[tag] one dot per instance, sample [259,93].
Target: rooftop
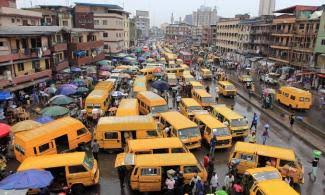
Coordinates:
[295,8]
[106,5]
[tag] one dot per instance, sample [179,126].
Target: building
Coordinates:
[266,7]
[178,32]
[54,15]
[188,19]
[156,32]
[132,33]
[319,51]
[204,16]
[8,3]
[227,34]
[294,36]
[126,22]
[142,22]
[108,18]
[11,16]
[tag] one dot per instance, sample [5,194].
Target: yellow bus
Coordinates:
[151,103]
[149,171]
[210,126]
[113,132]
[75,170]
[139,84]
[97,99]
[185,67]
[272,187]
[181,127]
[55,137]
[188,78]
[204,98]
[206,73]
[105,85]
[196,85]
[177,71]
[155,146]
[172,79]
[294,98]
[256,155]
[148,73]
[237,123]
[189,106]
[128,107]
[226,88]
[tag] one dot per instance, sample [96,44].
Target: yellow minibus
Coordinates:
[61,135]
[75,170]
[148,73]
[209,127]
[181,127]
[189,106]
[188,78]
[151,103]
[113,132]
[251,156]
[177,71]
[105,85]
[97,99]
[272,187]
[204,98]
[206,73]
[172,79]
[237,123]
[294,98]
[196,85]
[139,84]
[226,88]
[148,172]
[128,107]
[185,67]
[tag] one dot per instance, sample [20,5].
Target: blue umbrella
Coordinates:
[75,69]
[44,119]
[5,95]
[160,85]
[29,179]
[66,90]
[141,59]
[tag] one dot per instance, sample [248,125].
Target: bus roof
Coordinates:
[104,85]
[227,112]
[205,70]
[125,123]
[275,187]
[151,98]
[128,107]
[177,120]
[195,83]
[165,159]
[96,94]
[190,102]
[225,83]
[154,143]
[47,128]
[261,170]
[210,121]
[202,93]
[52,161]
[294,90]
[264,150]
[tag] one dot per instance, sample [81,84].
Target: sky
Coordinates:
[161,10]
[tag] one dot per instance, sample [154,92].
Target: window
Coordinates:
[18,20]
[77,169]
[109,135]
[248,157]
[152,133]
[1,44]
[149,171]
[323,42]
[104,22]
[96,22]
[160,151]
[191,169]
[12,20]
[20,149]
[44,147]
[177,150]
[65,23]
[21,67]
[81,131]
[105,34]
[301,26]
[105,46]
[292,97]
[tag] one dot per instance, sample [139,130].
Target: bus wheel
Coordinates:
[78,189]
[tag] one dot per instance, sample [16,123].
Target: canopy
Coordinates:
[25,126]
[51,90]
[78,82]
[104,63]
[44,119]
[61,100]
[75,69]
[160,85]
[4,130]
[29,179]
[91,70]
[82,90]
[54,111]
[5,95]
[66,90]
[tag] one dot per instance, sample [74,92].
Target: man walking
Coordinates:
[121,171]
[292,120]
[265,134]
[95,149]
[254,121]
[229,181]
[214,182]
[313,172]
[213,143]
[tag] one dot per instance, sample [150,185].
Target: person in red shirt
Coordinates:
[206,160]
[238,189]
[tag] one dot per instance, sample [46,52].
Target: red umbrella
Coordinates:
[4,130]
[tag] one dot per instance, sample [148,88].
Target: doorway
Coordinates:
[62,143]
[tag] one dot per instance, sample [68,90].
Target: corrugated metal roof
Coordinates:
[110,6]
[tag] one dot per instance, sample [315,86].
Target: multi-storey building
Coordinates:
[142,23]
[108,18]
[178,32]
[319,52]
[197,35]
[227,35]
[207,35]
[8,3]
[294,36]
[204,16]
[54,15]
[126,22]
[156,32]
[132,33]
[266,7]
[11,16]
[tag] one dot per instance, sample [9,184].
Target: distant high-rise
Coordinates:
[266,7]
[188,19]
[172,19]
[204,16]
[142,23]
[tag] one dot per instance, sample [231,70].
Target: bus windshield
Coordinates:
[89,161]
[230,87]
[192,108]
[238,122]
[207,100]
[158,109]
[188,133]
[221,131]
[266,176]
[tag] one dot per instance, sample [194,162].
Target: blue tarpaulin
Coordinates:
[79,53]
[5,95]
[44,119]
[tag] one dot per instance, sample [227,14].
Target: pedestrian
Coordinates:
[214,182]
[167,132]
[223,191]
[210,170]
[199,189]
[229,180]
[193,181]
[170,183]
[252,137]
[292,120]
[207,89]
[213,143]
[254,122]
[238,189]
[179,185]
[206,160]
[178,99]
[313,172]
[217,97]
[95,149]
[121,171]
[265,134]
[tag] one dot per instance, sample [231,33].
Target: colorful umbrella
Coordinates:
[104,62]
[78,82]
[25,126]
[50,90]
[61,100]
[29,179]
[91,70]
[54,111]
[44,119]
[4,130]
[160,85]
[75,69]
[81,90]
[66,90]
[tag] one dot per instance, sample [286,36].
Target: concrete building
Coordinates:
[126,22]
[266,7]
[8,3]
[204,16]
[156,32]
[178,33]
[142,22]
[188,19]
[54,15]
[320,48]
[132,33]
[227,34]
[108,18]
[10,16]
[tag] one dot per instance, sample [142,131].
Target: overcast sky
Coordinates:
[161,10]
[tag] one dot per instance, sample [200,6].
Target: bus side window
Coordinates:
[292,97]
[191,169]
[43,148]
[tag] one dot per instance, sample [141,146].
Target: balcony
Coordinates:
[59,47]
[20,54]
[87,45]
[61,65]
[87,60]
[280,59]
[4,82]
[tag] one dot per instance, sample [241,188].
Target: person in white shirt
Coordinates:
[214,182]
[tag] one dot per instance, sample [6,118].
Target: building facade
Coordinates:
[227,35]
[204,16]
[142,23]
[8,3]
[132,33]
[10,16]
[178,32]
[320,48]
[266,7]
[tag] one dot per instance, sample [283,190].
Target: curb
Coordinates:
[281,123]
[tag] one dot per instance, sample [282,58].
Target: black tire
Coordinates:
[78,189]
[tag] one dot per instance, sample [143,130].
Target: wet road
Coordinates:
[278,137]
